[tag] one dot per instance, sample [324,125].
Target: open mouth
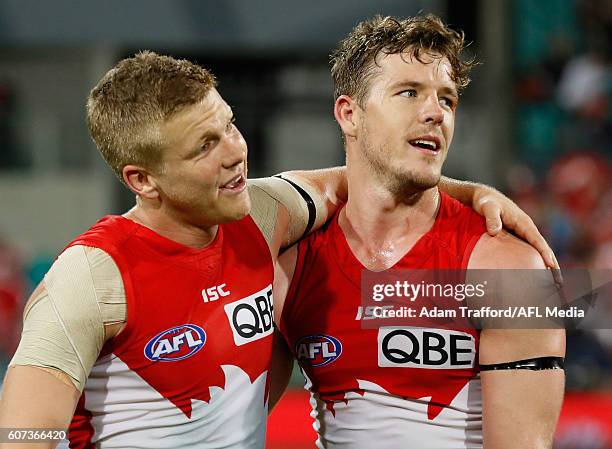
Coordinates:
[426,145]
[235,185]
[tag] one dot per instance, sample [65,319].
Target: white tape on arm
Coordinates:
[64,326]
[286,193]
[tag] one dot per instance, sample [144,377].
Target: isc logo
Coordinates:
[425,348]
[213,293]
[251,318]
[318,350]
[176,343]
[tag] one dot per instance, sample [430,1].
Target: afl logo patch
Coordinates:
[317,350]
[176,343]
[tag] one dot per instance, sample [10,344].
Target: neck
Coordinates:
[171,226]
[380,227]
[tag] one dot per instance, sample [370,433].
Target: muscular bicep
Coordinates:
[522,386]
[521,408]
[506,345]
[521,369]
[516,279]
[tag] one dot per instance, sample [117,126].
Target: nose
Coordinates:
[236,150]
[432,113]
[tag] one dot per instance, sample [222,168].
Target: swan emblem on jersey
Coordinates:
[318,350]
[176,343]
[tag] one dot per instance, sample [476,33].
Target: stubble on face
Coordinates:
[404,183]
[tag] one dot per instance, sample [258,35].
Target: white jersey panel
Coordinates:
[379,420]
[128,413]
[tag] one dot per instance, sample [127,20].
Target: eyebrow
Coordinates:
[445,89]
[207,133]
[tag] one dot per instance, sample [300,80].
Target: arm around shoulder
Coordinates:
[290,205]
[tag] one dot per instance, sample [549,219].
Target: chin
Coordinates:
[412,182]
[231,217]
[238,211]
[427,181]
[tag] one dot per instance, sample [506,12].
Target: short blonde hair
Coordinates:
[129,104]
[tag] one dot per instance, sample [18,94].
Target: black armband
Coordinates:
[310,204]
[536,364]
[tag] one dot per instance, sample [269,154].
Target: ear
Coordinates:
[140,181]
[346,111]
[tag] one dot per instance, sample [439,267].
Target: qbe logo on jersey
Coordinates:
[317,350]
[176,343]
[251,318]
[403,347]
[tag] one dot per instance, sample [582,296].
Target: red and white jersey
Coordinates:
[363,396]
[190,368]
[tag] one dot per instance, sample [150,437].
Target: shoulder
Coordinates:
[528,284]
[75,266]
[504,251]
[81,261]
[85,278]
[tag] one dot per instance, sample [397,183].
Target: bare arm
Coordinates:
[33,397]
[282,358]
[280,369]
[36,397]
[330,183]
[520,407]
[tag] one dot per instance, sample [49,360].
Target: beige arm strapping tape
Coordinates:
[63,326]
[264,210]
[267,192]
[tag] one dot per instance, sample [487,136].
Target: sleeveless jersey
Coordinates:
[190,368]
[362,398]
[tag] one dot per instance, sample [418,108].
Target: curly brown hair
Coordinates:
[129,104]
[352,63]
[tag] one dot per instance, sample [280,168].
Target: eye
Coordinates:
[230,125]
[206,146]
[447,102]
[408,93]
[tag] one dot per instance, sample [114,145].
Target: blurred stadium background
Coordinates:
[536,123]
